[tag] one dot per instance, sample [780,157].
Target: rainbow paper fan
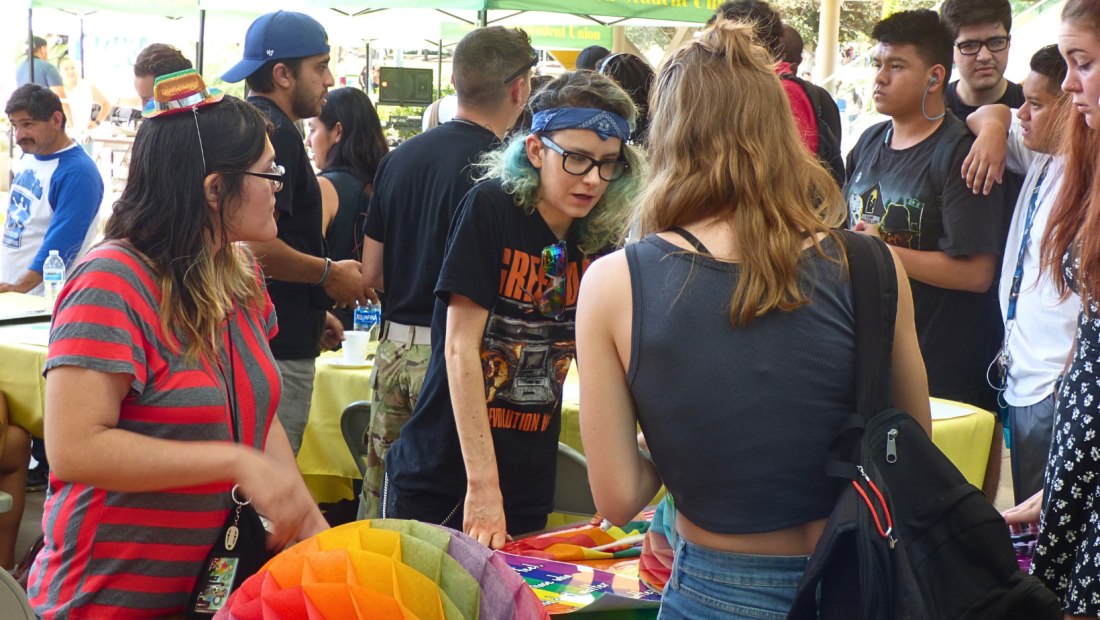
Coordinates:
[387,570]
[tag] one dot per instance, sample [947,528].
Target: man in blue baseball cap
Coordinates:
[285,64]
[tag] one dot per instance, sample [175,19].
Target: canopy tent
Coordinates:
[554,24]
[408,20]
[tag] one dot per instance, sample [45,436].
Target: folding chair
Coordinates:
[572,492]
[354,423]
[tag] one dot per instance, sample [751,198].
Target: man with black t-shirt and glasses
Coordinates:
[417,191]
[285,63]
[905,186]
[980,30]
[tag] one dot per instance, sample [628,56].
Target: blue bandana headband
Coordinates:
[605,124]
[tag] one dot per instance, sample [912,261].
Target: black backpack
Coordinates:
[910,539]
[828,126]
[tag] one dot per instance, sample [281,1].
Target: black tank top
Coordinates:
[738,419]
[345,232]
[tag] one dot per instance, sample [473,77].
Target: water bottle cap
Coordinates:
[54,253]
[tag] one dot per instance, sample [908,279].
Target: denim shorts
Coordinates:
[719,585]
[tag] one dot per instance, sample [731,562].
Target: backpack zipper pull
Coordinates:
[888,532]
[891,446]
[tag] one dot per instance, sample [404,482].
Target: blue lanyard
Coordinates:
[1018,276]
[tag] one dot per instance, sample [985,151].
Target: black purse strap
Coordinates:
[230,382]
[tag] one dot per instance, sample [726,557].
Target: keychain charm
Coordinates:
[231,533]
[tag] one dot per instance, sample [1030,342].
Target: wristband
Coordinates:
[328,269]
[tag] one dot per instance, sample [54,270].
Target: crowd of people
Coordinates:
[680,235]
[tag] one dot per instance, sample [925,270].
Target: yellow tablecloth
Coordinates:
[965,439]
[324,459]
[21,363]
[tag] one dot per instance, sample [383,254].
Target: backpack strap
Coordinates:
[875,132]
[827,119]
[944,153]
[875,302]
[825,108]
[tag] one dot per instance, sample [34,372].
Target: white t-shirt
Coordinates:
[80,100]
[53,205]
[1042,336]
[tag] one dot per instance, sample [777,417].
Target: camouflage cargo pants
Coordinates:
[396,380]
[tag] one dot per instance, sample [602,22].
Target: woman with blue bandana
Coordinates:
[480,450]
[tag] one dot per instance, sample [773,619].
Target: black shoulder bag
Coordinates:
[241,548]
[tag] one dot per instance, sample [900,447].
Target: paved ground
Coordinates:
[31,528]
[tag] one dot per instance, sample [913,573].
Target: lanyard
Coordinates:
[1018,275]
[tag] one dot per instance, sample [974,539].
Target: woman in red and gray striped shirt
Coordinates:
[157,334]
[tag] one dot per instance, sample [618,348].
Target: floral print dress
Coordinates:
[1067,555]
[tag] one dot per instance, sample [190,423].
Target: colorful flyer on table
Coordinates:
[570,588]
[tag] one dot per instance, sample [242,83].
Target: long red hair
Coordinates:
[1074,224]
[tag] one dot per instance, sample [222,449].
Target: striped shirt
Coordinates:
[137,555]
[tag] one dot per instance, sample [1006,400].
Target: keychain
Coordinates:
[232,532]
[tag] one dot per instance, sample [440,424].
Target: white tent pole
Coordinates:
[828,42]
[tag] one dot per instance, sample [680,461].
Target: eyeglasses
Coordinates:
[534,61]
[578,164]
[993,44]
[552,302]
[275,175]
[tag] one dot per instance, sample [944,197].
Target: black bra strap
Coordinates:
[692,239]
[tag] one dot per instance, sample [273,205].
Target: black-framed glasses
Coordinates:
[579,164]
[993,44]
[534,61]
[275,175]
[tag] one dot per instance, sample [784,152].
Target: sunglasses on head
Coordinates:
[552,301]
[534,61]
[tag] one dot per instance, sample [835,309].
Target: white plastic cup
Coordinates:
[355,347]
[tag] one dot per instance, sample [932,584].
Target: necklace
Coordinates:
[471,123]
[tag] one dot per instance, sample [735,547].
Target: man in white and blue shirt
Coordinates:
[1039,324]
[55,195]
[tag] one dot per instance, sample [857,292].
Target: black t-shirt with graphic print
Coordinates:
[494,255]
[959,331]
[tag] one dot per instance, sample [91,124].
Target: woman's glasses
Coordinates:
[275,175]
[993,44]
[578,164]
[552,302]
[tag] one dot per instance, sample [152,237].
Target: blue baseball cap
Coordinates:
[282,34]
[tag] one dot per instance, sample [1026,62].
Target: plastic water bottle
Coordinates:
[53,278]
[367,319]
[376,320]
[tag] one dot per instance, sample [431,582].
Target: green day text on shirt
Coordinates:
[525,355]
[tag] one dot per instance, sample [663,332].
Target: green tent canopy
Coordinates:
[691,11]
[172,8]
